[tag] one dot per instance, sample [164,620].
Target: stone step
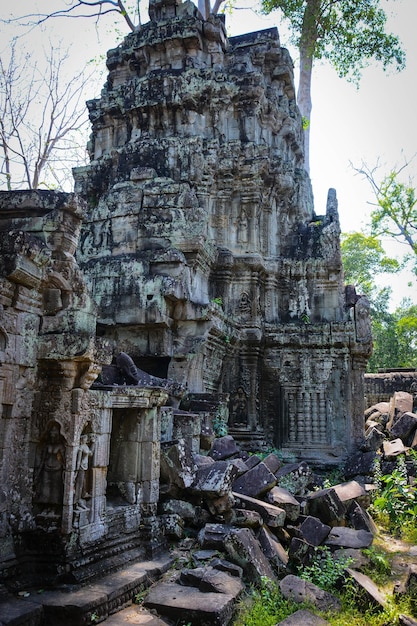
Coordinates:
[188,604]
[86,605]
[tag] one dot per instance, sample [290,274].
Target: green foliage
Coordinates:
[347,33]
[265,606]
[395,502]
[218,301]
[220,426]
[379,568]
[363,259]
[325,571]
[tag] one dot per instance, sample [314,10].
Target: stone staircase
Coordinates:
[108,599]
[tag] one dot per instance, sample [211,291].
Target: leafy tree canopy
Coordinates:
[348,33]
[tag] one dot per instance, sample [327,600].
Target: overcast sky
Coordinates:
[376,122]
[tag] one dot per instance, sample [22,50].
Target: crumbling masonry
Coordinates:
[191,244]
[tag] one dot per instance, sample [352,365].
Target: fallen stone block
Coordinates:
[221,507]
[300,552]
[252,460]
[303,618]
[172,525]
[326,505]
[299,590]
[190,605]
[360,519]
[374,438]
[213,536]
[379,407]
[208,579]
[214,481]
[360,464]
[393,448]
[295,477]
[404,620]
[366,585]
[349,538]
[404,426]
[226,566]
[177,467]
[273,462]
[202,460]
[399,403]
[351,490]
[224,448]
[244,549]
[283,499]
[272,548]
[272,515]
[244,518]
[358,560]
[134,615]
[184,509]
[313,531]
[255,481]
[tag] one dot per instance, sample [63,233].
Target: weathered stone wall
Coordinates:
[201,245]
[380,387]
[56,434]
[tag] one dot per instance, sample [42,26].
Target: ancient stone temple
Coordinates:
[188,275]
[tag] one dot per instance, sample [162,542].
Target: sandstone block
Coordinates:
[213,536]
[326,505]
[363,582]
[360,519]
[313,531]
[226,566]
[272,462]
[284,500]
[245,518]
[303,618]
[214,480]
[244,549]
[349,538]
[255,481]
[190,605]
[224,448]
[299,590]
[272,515]
[208,579]
[295,477]
[360,464]
[272,548]
[352,490]
[404,426]
[393,448]
[300,552]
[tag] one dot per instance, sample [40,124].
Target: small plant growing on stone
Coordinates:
[218,301]
[264,606]
[395,503]
[139,597]
[220,423]
[325,571]
[379,568]
[94,617]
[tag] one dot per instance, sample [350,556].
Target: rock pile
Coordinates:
[236,518]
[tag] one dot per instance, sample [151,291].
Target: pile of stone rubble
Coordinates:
[234,518]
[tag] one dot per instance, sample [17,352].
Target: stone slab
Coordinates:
[134,616]
[303,618]
[190,605]
[18,611]
[349,538]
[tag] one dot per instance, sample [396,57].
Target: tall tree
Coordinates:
[347,33]
[395,214]
[43,119]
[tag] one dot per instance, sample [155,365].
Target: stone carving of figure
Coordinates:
[239,408]
[363,320]
[242,229]
[81,467]
[49,484]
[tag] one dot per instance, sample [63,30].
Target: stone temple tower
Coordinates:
[201,246]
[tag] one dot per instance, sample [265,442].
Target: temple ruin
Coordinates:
[190,244]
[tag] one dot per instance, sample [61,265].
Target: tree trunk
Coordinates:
[308,39]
